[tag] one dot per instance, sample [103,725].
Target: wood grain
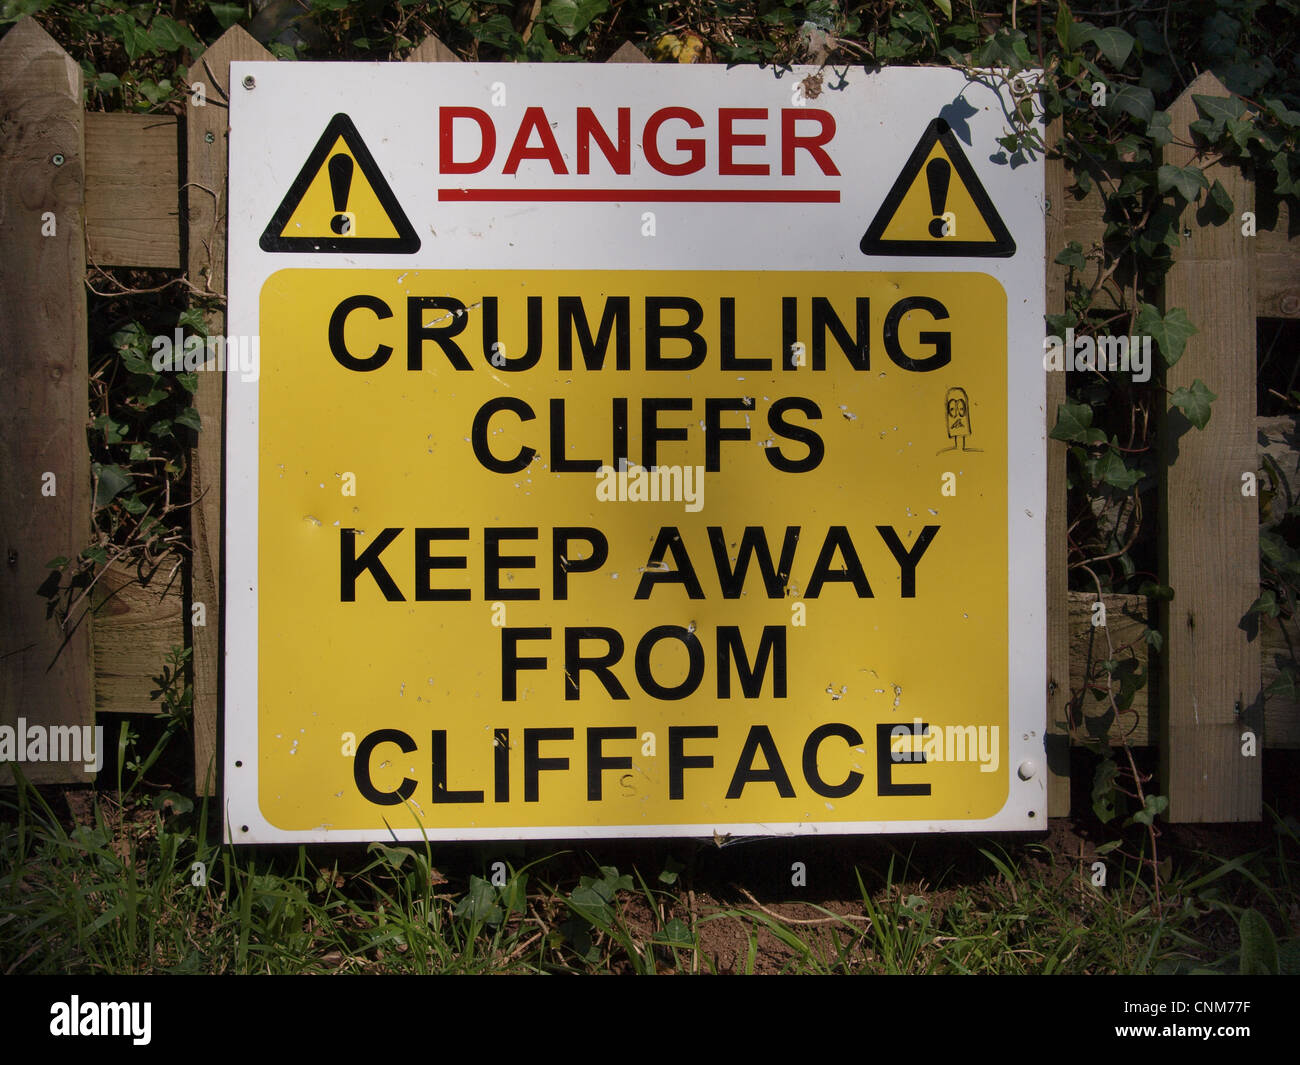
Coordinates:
[44,668]
[1211,653]
[132,190]
[135,626]
[206,131]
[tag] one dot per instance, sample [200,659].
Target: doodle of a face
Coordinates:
[957,407]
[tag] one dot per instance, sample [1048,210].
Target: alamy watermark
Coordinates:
[1126,354]
[53,743]
[654,484]
[189,354]
[922,742]
[78,1018]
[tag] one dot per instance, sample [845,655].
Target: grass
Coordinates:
[138,885]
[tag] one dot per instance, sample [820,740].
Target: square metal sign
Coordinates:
[632,451]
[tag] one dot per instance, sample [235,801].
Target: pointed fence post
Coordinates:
[1211,695]
[45,505]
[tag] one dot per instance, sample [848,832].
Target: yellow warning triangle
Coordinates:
[937,206]
[340,202]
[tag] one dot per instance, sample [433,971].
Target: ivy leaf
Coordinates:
[1156,591]
[1218,109]
[1152,806]
[1114,43]
[1186,179]
[1103,790]
[1194,402]
[1170,331]
[1287,183]
[1266,604]
[1136,100]
[1284,686]
[1064,20]
[571,17]
[168,35]
[1155,640]
[1113,470]
[1220,198]
[1081,33]
[1158,129]
[192,318]
[1072,421]
[1072,256]
[110,481]
[189,417]
[226,14]
[1282,113]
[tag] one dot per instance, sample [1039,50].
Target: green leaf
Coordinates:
[1064,19]
[1114,43]
[674,933]
[135,39]
[946,7]
[1258,946]
[1103,789]
[110,481]
[1187,180]
[1284,685]
[168,35]
[1156,591]
[1112,469]
[192,318]
[479,906]
[1072,256]
[1072,421]
[1266,604]
[1155,640]
[1194,402]
[1136,100]
[226,14]
[1282,113]
[1152,807]
[56,563]
[1158,129]
[1220,198]
[189,417]
[571,17]
[1170,331]
[1081,33]
[1218,109]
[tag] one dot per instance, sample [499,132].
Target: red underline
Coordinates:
[643,195]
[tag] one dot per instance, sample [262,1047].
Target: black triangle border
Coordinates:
[406,240]
[1001,247]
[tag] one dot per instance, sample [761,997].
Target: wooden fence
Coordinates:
[112,183]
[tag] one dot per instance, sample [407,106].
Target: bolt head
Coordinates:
[249,81]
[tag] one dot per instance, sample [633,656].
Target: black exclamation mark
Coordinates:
[937,174]
[340,167]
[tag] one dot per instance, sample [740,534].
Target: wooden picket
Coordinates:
[125,171]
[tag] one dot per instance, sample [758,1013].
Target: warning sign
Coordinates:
[632,501]
[938,206]
[340,202]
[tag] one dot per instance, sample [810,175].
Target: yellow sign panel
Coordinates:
[631,549]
